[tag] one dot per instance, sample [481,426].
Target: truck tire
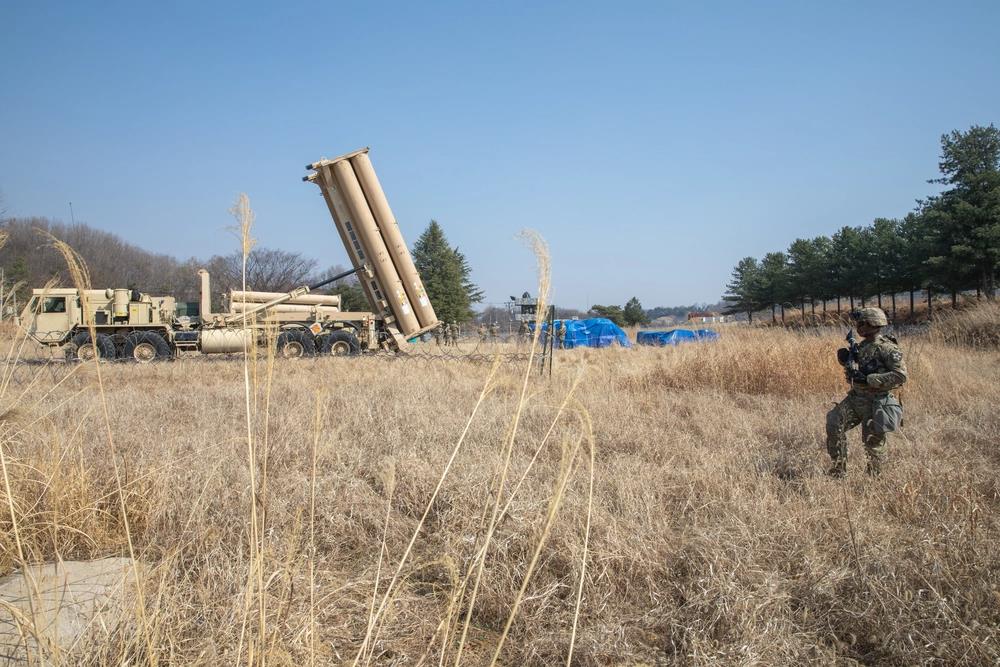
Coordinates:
[81,349]
[294,344]
[341,343]
[144,347]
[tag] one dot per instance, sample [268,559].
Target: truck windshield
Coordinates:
[54,304]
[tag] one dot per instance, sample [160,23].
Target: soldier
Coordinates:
[873,368]
[454,333]
[561,334]
[437,334]
[482,333]
[522,332]
[494,332]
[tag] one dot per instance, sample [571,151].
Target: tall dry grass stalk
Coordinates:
[255,589]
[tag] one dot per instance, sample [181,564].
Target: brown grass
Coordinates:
[714,537]
[974,327]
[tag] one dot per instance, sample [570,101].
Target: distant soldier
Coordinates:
[522,332]
[561,335]
[482,333]
[438,330]
[454,333]
[873,368]
[494,332]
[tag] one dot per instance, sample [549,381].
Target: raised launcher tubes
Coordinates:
[373,242]
[389,228]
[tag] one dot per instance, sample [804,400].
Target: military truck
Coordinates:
[129,324]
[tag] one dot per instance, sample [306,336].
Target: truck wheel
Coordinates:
[341,343]
[81,349]
[294,344]
[145,346]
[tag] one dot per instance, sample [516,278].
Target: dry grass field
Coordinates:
[655,506]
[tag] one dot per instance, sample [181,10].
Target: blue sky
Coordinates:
[652,144]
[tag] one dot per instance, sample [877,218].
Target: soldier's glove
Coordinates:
[855,376]
[843,356]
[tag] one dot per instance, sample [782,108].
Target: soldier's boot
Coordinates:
[878,455]
[838,470]
[875,466]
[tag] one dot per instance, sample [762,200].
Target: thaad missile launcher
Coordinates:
[133,325]
[373,241]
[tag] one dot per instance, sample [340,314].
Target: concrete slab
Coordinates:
[57,603]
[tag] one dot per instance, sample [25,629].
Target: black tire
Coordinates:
[294,344]
[341,343]
[81,349]
[144,347]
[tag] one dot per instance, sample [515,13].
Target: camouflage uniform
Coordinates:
[438,330]
[494,332]
[560,335]
[482,333]
[869,402]
[454,333]
[522,332]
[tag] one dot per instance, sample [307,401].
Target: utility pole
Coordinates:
[72,217]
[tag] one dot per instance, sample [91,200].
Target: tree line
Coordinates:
[29,261]
[949,244]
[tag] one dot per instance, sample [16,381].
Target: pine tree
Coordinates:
[774,282]
[966,218]
[634,313]
[613,313]
[446,275]
[744,289]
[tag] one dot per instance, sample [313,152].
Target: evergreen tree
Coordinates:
[806,264]
[744,288]
[446,275]
[914,271]
[774,281]
[822,275]
[887,254]
[966,217]
[613,313]
[848,258]
[634,313]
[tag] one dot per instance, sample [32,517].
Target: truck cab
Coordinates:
[51,315]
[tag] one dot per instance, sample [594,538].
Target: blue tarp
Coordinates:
[675,336]
[593,332]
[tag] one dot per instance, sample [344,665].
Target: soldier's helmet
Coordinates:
[874,317]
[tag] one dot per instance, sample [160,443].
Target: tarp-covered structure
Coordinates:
[675,336]
[593,332]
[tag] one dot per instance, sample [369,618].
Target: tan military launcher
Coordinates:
[129,324]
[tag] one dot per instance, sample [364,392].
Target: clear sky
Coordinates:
[652,144]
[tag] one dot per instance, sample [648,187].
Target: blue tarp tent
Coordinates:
[675,336]
[593,332]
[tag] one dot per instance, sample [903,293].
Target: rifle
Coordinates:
[848,358]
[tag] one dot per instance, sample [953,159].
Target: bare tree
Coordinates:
[268,270]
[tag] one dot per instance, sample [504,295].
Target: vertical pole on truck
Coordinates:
[548,343]
[552,337]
